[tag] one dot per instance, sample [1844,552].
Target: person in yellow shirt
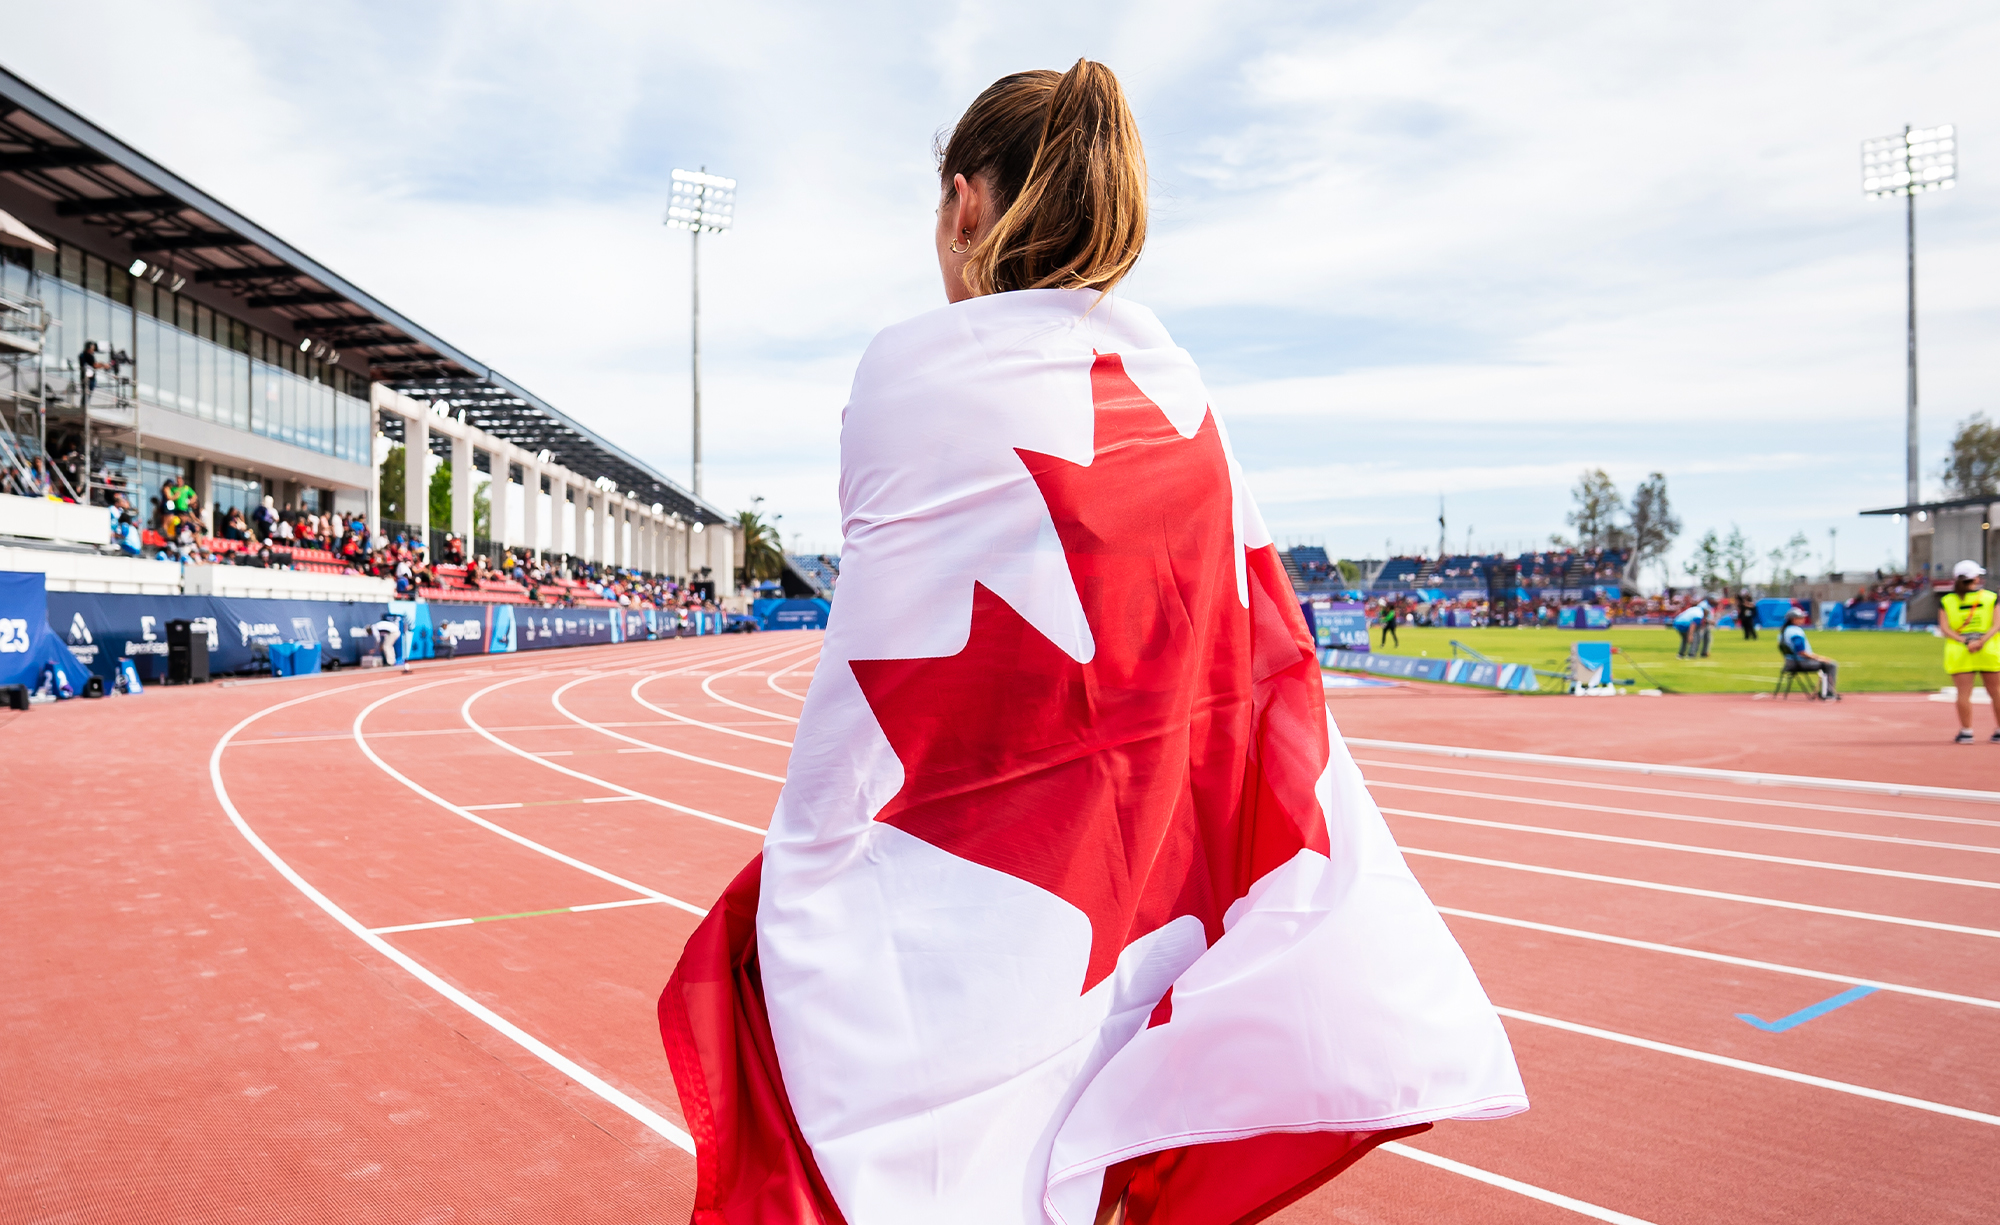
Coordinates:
[1965,618]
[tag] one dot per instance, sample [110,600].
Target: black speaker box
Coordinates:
[187,654]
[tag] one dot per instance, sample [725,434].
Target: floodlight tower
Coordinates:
[1913,161]
[701,203]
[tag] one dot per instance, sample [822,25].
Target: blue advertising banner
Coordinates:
[1483,673]
[1771,614]
[27,648]
[791,614]
[100,629]
[1341,624]
[1876,615]
[1584,617]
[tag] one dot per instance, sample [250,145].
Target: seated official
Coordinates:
[1799,657]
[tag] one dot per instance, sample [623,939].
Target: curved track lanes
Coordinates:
[445,1011]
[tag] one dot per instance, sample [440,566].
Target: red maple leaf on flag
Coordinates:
[1177,766]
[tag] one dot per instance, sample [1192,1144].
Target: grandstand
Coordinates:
[1563,574]
[231,362]
[819,571]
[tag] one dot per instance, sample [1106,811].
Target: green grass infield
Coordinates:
[1871,661]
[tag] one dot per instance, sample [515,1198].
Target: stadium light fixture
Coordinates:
[1908,164]
[702,203]
[179,281]
[138,268]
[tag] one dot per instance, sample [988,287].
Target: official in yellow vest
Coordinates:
[1965,618]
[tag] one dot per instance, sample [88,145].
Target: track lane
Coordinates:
[1912,902]
[643,1113]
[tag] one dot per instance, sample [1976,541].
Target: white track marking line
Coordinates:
[1732,776]
[465,713]
[755,710]
[1760,1069]
[1650,844]
[644,1114]
[1723,958]
[361,739]
[423,927]
[1809,830]
[1515,1185]
[644,746]
[771,681]
[1762,801]
[724,728]
[1689,891]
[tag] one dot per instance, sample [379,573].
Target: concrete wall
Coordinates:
[253,583]
[95,572]
[42,519]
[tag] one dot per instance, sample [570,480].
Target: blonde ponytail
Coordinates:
[1063,158]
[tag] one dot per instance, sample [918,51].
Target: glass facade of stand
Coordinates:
[189,358]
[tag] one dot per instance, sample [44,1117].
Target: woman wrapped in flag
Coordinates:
[1074,907]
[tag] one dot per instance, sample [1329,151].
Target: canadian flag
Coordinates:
[1071,898]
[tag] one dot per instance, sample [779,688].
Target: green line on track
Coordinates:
[525,914]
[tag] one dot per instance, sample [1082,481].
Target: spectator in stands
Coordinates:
[1971,649]
[87,366]
[1799,657]
[266,518]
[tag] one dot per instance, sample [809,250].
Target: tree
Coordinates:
[763,549]
[1785,562]
[1704,565]
[392,486]
[1654,525]
[1737,557]
[1597,511]
[1973,469]
[482,505]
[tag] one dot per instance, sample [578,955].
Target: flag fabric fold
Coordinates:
[1072,895]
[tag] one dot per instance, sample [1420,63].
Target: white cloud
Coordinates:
[1516,240]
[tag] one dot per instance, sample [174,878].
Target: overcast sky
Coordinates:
[1461,249]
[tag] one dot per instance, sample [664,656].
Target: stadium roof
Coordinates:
[1948,504]
[94,179]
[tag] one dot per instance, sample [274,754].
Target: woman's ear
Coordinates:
[969,205]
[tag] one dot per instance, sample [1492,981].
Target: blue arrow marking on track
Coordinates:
[1803,1015]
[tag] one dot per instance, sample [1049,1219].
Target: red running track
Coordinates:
[247,982]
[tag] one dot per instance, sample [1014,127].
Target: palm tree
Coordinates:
[763,550]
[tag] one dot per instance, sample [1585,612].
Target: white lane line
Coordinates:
[1689,891]
[1652,845]
[528,914]
[431,731]
[771,681]
[1760,1069]
[1723,958]
[1776,827]
[465,713]
[424,927]
[488,807]
[1556,1198]
[644,746]
[707,688]
[1713,796]
[644,1114]
[724,728]
[361,739]
[1732,776]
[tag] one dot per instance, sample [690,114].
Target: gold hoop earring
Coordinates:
[958,249]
